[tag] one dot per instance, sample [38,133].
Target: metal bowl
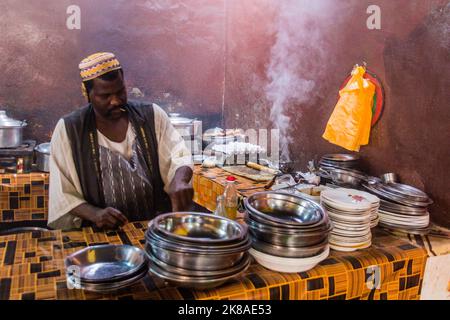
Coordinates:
[107,286]
[288,240]
[105,262]
[389,177]
[318,226]
[197,227]
[344,157]
[194,261]
[154,238]
[290,252]
[284,209]
[197,273]
[200,283]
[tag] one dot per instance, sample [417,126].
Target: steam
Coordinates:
[296,61]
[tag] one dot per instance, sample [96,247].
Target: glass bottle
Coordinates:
[230,198]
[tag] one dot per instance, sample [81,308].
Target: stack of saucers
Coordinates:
[105,268]
[289,232]
[403,208]
[197,250]
[351,213]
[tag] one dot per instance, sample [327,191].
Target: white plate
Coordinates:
[349,249]
[288,265]
[346,199]
[372,198]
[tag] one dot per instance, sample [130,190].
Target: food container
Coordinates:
[43,157]
[11,131]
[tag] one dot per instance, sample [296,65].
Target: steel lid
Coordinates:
[175,118]
[7,122]
[43,148]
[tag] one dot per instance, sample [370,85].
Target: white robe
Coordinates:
[65,191]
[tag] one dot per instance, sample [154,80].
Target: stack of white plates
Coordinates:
[375,205]
[352,213]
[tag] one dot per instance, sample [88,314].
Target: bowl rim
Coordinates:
[241,228]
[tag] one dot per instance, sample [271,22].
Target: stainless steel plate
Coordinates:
[106,262]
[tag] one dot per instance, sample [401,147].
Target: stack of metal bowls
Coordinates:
[340,161]
[197,250]
[403,208]
[287,231]
[105,268]
[342,170]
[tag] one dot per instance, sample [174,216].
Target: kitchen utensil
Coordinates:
[11,131]
[43,157]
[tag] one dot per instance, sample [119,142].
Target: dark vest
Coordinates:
[82,132]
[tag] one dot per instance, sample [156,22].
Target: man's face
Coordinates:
[108,97]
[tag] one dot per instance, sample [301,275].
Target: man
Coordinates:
[114,160]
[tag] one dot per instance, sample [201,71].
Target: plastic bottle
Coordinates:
[230,198]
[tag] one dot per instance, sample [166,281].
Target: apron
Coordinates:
[126,185]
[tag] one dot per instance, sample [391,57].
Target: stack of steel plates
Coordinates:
[105,268]
[197,250]
[403,208]
[339,161]
[290,232]
[341,170]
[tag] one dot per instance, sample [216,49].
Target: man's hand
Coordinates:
[109,218]
[180,190]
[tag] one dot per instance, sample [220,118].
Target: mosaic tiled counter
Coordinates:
[32,267]
[24,197]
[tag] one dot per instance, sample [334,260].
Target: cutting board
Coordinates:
[249,173]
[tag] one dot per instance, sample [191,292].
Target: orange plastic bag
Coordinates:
[349,124]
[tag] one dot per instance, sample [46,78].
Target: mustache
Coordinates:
[111,110]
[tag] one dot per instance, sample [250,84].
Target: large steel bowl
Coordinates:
[284,209]
[154,238]
[290,252]
[197,227]
[194,261]
[299,239]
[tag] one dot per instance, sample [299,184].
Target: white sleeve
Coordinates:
[172,150]
[64,186]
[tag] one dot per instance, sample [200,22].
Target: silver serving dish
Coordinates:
[106,262]
[198,227]
[194,261]
[23,230]
[200,283]
[383,194]
[284,209]
[289,252]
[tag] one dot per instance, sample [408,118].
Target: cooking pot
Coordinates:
[11,131]
[184,126]
[43,156]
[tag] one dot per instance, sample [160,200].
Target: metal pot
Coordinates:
[11,131]
[43,156]
[184,126]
